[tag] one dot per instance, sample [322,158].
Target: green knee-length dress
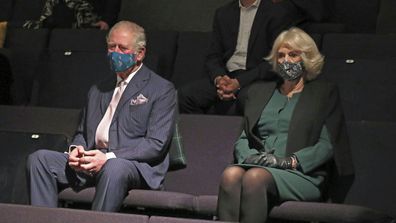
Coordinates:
[272,129]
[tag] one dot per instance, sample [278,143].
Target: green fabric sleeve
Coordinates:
[241,148]
[312,157]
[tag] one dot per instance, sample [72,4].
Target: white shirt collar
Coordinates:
[130,76]
[255,4]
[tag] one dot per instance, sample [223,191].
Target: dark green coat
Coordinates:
[318,106]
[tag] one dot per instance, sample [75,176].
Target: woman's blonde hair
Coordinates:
[296,39]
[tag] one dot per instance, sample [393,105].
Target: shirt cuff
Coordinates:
[110,155]
[71,147]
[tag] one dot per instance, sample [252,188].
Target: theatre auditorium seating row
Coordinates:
[191,192]
[55,68]
[11,213]
[44,61]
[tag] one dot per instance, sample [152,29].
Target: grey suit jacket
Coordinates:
[138,132]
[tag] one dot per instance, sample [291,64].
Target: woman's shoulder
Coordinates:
[321,84]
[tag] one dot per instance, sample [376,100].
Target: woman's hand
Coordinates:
[270,160]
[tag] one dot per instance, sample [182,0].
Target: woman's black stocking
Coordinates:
[257,185]
[229,194]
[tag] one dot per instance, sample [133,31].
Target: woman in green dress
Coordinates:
[294,128]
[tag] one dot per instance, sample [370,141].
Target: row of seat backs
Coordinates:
[194,188]
[64,63]
[70,61]
[207,142]
[24,129]
[168,43]
[12,213]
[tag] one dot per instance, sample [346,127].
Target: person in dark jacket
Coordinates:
[294,128]
[243,34]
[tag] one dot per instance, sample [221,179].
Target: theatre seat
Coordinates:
[358,46]
[11,213]
[193,191]
[366,87]
[26,47]
[161,51]
[208,143]
[386,17]
[159,219]
[24,130]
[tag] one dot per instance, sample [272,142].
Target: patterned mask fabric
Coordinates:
[290,71]
[121,61]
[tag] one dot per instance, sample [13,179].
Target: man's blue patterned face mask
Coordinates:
[290,71]
[121,61]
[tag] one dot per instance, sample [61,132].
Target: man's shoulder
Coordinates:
[156,78]
[228,7]
[156,81]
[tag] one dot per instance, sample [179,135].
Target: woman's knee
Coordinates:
[257,178]
[232,175]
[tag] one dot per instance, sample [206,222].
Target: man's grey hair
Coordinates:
[137,31]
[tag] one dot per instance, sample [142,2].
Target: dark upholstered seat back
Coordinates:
[186,15]
[74,61]
[357,45]
[366,87]
[13,163]
[208,143]
[26,47]
[190,57]
[24,130]
[373,152]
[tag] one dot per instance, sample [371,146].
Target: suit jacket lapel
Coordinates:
[134,86]
[299,118]
[233,21]
[258,98]
[259,19]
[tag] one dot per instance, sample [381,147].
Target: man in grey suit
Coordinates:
[121,143]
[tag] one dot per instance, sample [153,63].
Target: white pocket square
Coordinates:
[140,99]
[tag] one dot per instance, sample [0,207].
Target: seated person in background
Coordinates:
[243,33]
[121,142]
[294,127]
[100,14]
